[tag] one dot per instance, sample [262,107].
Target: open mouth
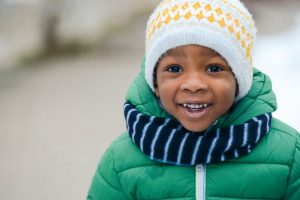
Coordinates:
[195,107]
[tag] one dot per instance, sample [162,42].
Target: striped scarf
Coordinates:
[167,141]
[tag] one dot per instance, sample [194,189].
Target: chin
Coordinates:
[195,129]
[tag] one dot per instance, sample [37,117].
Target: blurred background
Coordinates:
[65,67]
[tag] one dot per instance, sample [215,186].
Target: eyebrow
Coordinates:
[214,53]
[172,52]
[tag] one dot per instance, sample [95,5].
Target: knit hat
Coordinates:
[225,26]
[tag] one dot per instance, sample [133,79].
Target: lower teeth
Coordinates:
[195,109]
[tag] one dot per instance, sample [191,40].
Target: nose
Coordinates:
[194,82]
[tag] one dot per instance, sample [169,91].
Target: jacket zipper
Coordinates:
[200,182]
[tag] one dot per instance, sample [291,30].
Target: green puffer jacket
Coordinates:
[271,171]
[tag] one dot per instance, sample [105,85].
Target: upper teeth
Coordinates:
[194,106]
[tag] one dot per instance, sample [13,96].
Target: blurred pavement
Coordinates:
[56,121]
[59,115]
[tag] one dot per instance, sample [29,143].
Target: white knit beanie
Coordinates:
[225,26]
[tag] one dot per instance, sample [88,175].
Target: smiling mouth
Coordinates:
[195,107]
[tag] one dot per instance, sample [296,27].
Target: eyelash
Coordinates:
[219,68]
[178,68]
[171,68]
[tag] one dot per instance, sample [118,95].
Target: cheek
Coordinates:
[163,86]
[163,92]
[224,88]
[166,94]
[228,90]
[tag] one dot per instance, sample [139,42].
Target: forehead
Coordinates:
[191,49]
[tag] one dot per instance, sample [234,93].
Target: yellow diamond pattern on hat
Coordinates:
[185,6]
[211,18]
[228,15]
[196,5]
[177,16]
[159,24]
[248,36]
[230,28]
[243,44]
[208,7]
[238,36]
[175,8]
[166,12]
[157,18]
[200,15]
[222,23]
[248,50]
[236,22]
[188,15]
[219,11]
[214,15]
[243,29]
[168,19]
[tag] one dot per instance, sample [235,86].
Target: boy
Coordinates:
[199,115]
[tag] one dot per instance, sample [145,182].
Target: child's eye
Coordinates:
[214,68]
[174,68]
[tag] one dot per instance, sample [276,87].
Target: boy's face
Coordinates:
[195,85]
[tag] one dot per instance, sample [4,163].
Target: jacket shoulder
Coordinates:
[280,143]
[285,131]
[126,154]
[285,137]
[277,147]
[283,128]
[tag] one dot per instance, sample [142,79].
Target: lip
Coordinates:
[194,114]
[194,102]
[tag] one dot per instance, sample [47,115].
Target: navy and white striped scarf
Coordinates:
[167,141]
